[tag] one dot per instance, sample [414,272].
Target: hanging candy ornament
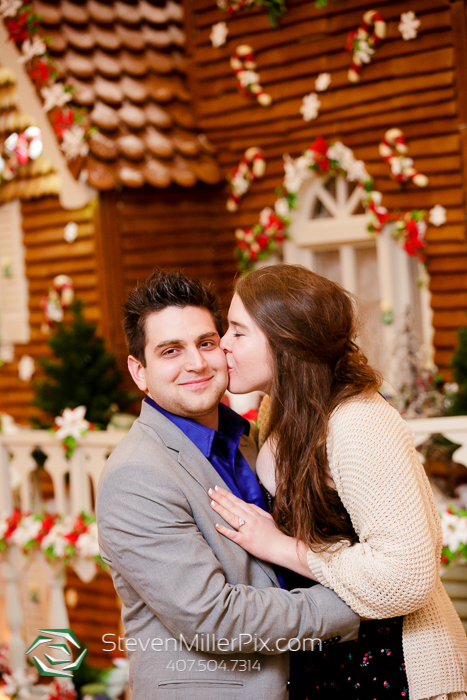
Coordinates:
[63,285]
[57,300]
[393,149]
[363,41]
[18,150]
[251,167]
[244,64]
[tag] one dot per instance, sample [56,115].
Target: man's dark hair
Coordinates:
[159,291]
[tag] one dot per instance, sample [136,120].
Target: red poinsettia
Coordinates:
[62,120]
[251,415]
[12,522]
[19,29]
[413,244]
[48,521]
[320,149]
[41,72]
[79,528]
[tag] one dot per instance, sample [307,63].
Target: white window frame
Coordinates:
[346,232]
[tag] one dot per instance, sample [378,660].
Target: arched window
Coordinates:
[329,235]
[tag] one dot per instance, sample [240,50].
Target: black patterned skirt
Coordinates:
[368,668]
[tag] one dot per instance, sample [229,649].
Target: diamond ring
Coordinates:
[240,523]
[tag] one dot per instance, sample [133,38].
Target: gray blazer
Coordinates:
[203,619]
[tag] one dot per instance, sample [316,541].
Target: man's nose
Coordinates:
[196,361]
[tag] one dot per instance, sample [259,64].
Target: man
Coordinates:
[204,620]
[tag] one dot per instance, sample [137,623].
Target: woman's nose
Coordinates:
[224,344]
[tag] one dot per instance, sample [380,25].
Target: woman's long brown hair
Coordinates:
[310,325]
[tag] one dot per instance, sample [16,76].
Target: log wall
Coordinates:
[410,84]
[143,229]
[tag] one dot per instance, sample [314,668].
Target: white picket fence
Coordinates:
[84,469]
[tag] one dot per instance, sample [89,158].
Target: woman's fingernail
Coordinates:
[216,488]
[210,492]
[213,503]
[217,526]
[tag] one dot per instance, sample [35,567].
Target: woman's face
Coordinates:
[248,355]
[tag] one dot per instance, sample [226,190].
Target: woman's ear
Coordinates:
[138,372]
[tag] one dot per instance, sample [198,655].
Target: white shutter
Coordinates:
[14,311]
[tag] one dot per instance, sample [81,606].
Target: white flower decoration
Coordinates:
[454,530]
[56,537]
[70,232]
[322,82]
[19,683]
[72,422]
[437,215]
[282,207]
[218,34]
[356,172]
[29,49]
[26,368]
[247,77]
[118,678]
[87,544]
[73,143]
[409,25]
[264,216]
[421,226]
[9,8]
[55,96]
[310,106]
[294,176]
[27,530]
[342,154]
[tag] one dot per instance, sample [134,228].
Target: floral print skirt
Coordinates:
[368,668]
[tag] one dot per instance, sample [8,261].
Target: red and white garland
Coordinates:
[18,150]
[363,41]
[244,64]
[393,149]
[71,124]
[323,160]
[59,538]
[252,167]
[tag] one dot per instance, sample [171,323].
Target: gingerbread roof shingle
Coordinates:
[126,59]
[39,177]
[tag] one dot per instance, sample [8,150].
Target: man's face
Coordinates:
[186,371]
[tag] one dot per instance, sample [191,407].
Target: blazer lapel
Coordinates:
[195,463]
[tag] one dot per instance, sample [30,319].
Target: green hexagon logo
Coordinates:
[67,664]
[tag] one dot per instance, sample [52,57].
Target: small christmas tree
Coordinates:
[459,370]
[83,373]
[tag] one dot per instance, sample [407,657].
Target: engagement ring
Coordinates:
[240,523]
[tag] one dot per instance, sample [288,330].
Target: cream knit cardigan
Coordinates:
[394,568]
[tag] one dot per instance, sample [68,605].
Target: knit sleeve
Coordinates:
[393,568]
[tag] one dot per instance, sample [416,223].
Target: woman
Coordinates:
[352,507]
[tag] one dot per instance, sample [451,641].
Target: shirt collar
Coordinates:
[231,425]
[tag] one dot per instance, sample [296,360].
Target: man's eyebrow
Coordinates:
[177,341]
